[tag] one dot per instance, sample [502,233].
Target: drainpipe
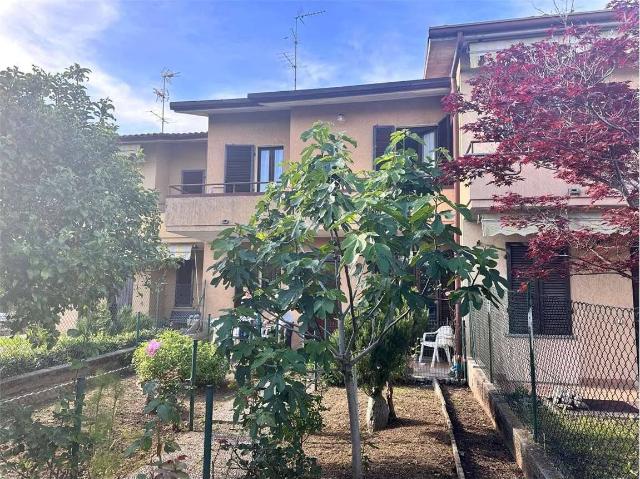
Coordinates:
[456,193]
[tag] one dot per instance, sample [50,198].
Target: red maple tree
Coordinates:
[559,104]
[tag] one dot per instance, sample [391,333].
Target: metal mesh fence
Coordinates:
[578,390]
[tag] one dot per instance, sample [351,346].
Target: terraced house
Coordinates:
[212,180]
[208,181]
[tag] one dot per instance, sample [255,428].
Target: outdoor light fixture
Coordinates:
[340,118]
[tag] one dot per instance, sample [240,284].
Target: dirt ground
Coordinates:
[417,446]
[483,453]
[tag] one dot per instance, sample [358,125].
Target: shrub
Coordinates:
[172,360]
[99,321]
[17,355]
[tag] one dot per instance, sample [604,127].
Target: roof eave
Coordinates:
[270,101]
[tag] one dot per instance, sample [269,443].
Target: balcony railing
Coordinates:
[256,187]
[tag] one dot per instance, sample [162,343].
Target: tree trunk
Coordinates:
[351,386]
[377,411]
[392,410]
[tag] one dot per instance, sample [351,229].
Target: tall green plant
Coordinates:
[75,219]
[342,247]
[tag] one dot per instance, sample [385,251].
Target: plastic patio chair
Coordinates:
[442,338]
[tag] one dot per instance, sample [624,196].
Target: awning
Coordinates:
[492,225]
[180,251]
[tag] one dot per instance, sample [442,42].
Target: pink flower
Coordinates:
[152,347]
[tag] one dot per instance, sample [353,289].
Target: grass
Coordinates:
[585,445]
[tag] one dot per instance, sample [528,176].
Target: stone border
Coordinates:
[454,444]
[529,456]
[43,385]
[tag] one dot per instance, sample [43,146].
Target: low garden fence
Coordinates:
[576,389]
[79,407]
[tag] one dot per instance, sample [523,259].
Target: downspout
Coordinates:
[456,194]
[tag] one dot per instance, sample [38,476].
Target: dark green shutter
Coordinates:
[518,260]
[550,296]
[555,297]
[238,168]
[381,138]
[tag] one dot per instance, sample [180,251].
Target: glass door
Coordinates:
[269,166]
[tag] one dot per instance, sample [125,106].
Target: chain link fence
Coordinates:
[569,370]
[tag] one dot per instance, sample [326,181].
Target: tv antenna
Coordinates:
[293,62]
[163,95]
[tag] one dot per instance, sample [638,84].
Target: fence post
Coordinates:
[192,383]
[209,327]
[464,350]
[532,367]
[79,402]
[208,430]
[138,328]
[490,343]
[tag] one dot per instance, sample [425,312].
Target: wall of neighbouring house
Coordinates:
[191,155]
[585,355]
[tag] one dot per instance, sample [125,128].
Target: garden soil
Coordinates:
[483,453]
[416,446]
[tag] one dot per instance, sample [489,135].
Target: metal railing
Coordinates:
[577,391]
[220,188]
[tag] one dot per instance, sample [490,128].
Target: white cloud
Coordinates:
[54,35]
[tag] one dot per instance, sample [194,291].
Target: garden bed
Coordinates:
[482,450]
[417,446]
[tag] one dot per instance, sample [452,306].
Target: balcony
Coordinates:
[536,182]
[201,211]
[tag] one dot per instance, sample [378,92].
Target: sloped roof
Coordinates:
[148,137]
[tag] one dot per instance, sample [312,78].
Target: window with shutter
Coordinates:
[550,296]
[381,138]
[193,182]
[238,168]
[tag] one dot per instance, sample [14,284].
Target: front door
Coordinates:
[184,292]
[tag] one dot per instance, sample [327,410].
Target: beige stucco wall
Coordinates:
[164,162]
[256,128]
[360,119]
[216,298]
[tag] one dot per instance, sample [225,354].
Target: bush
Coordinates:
[99,321]
[18,355]
[171,362]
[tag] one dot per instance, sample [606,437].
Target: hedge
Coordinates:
[19,356]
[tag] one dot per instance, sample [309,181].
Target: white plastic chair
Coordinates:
[443,338]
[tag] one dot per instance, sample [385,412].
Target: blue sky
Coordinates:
[224,49]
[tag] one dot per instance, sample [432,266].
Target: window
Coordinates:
[269,166]
[193,182]
[550,296]
[433,136]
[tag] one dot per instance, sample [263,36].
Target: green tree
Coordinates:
[75,220]
[342,247]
